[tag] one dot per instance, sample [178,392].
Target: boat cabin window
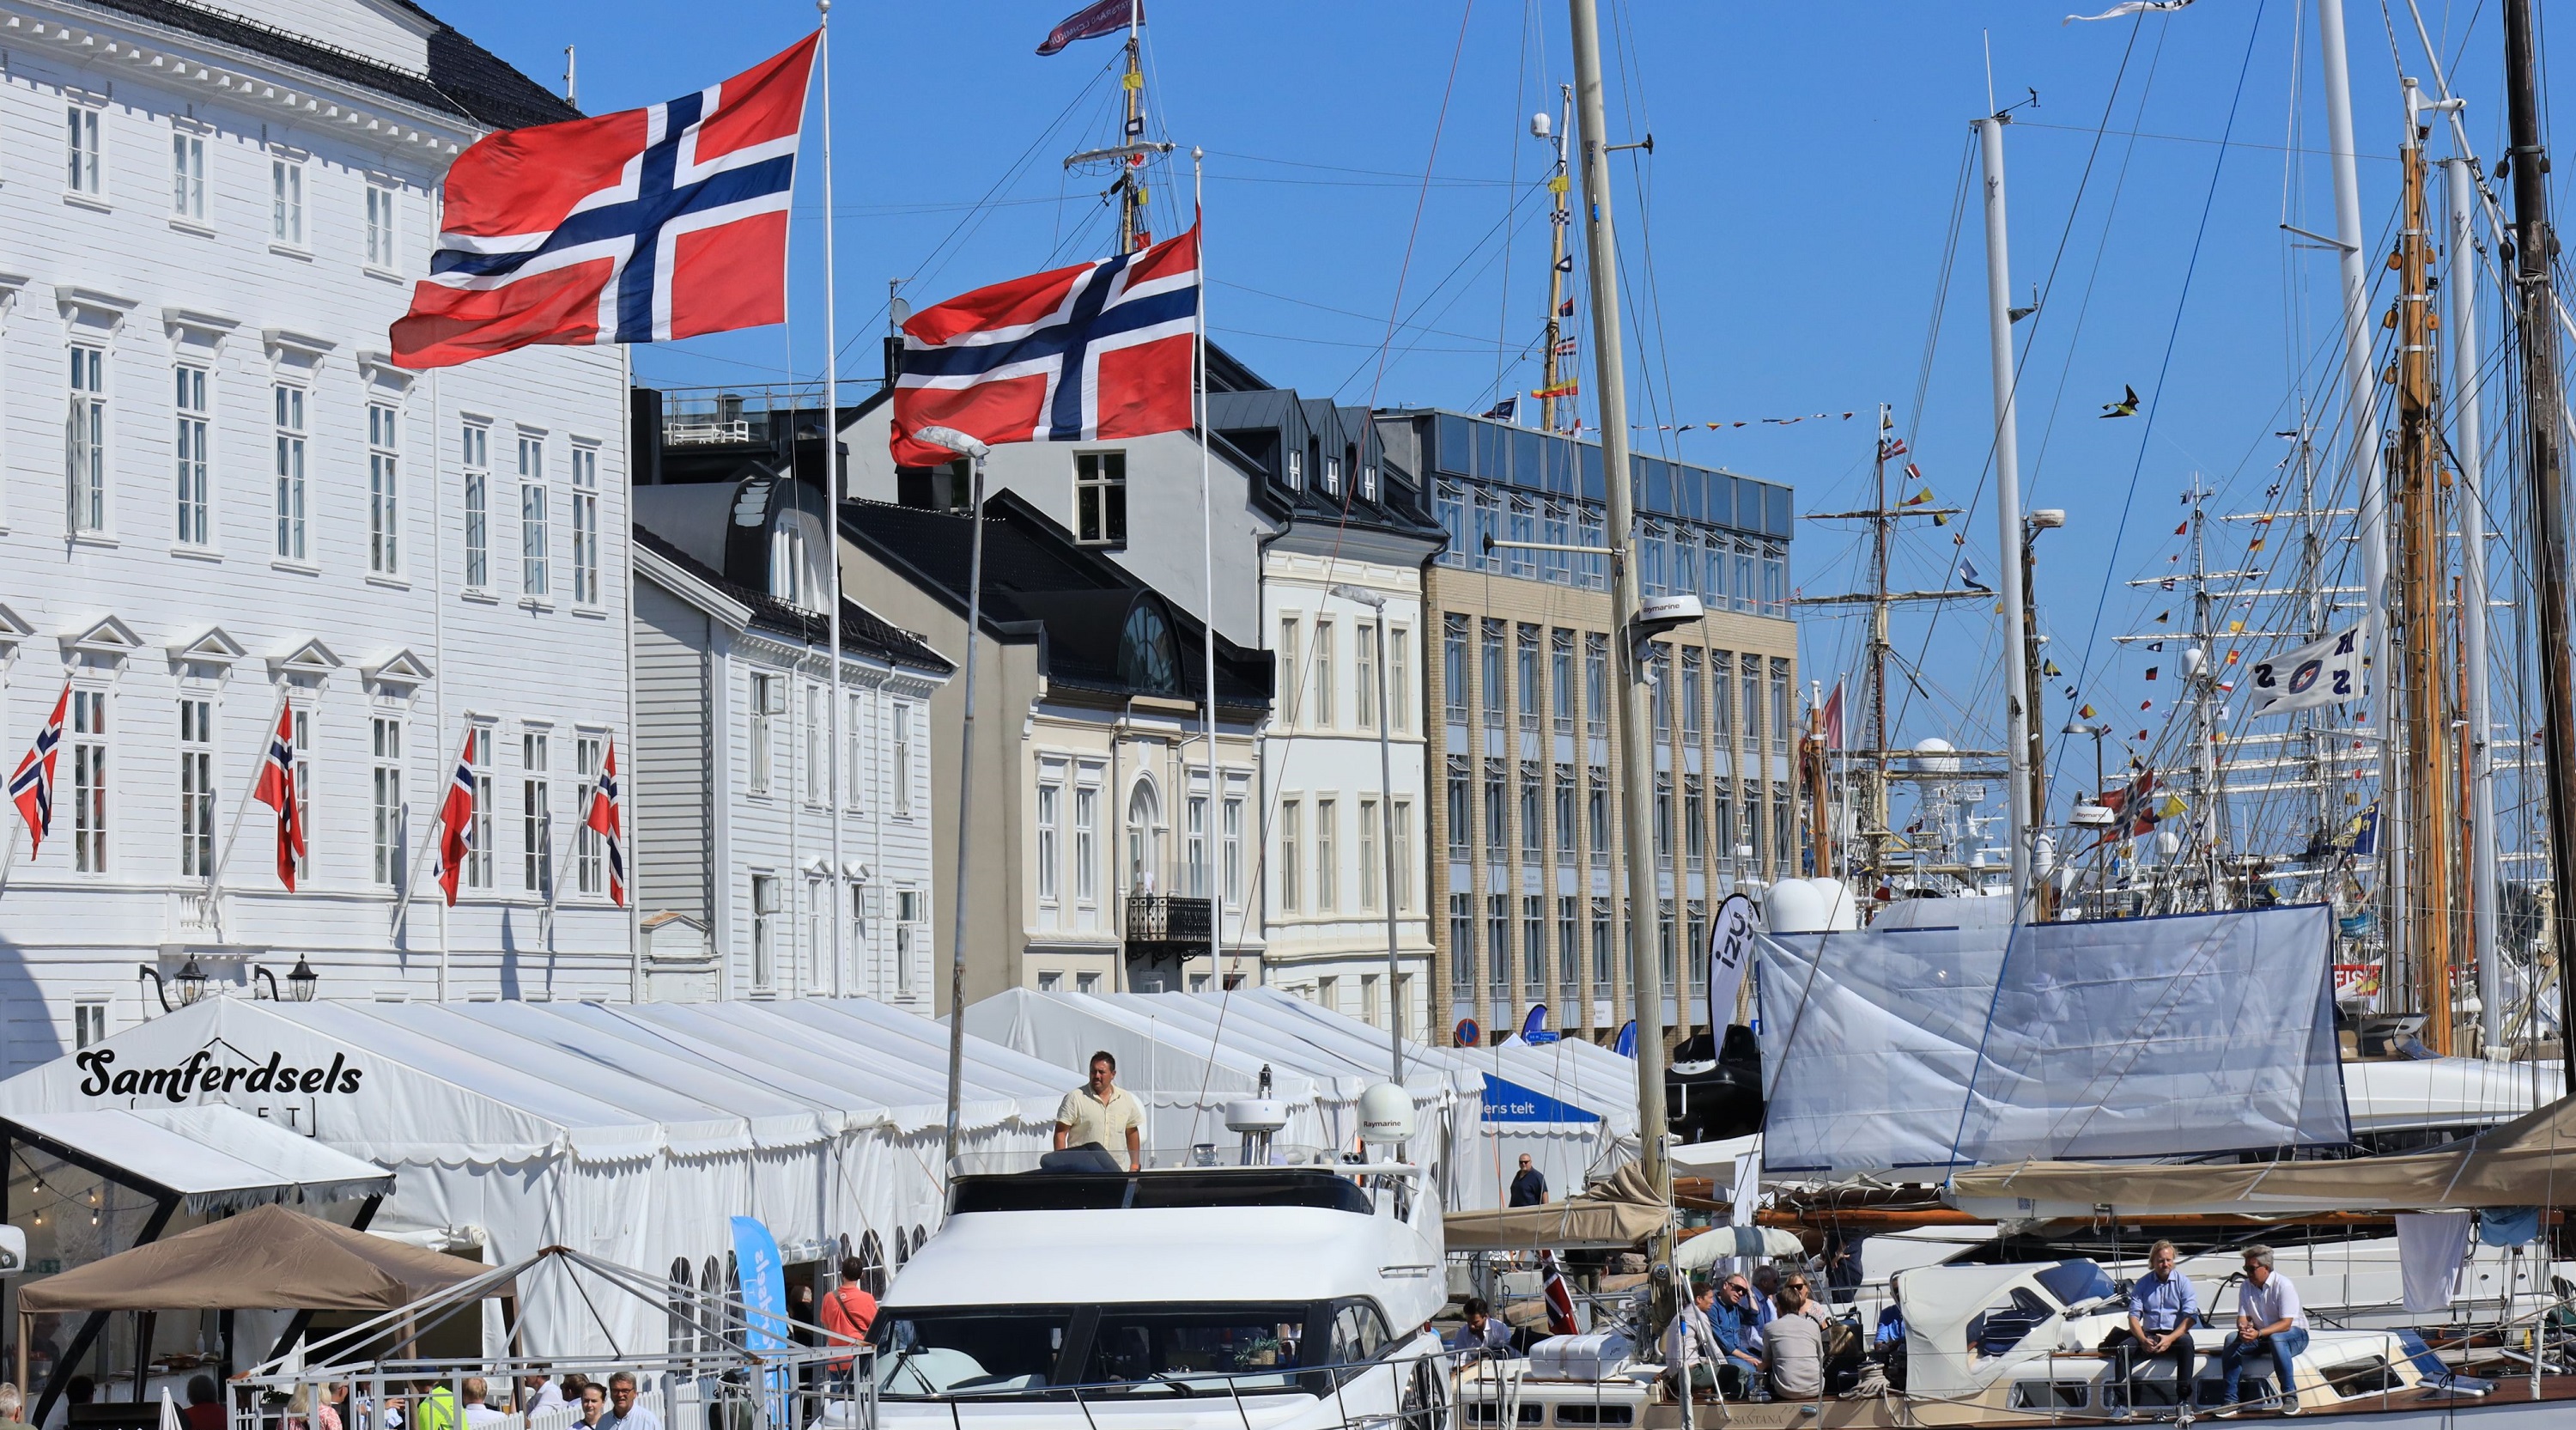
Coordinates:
[1481,1412]
[1024,1352]
[972,1349]
[2001,1326]
[1137,1346]
[1572,1414]
[2050,1394]
[1359,1334]
[2075,1283]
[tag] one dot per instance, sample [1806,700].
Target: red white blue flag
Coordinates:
[1094,353]
[1105,17]
[603,821]
[636,227]
[31,785]
[276,789]
[456,820]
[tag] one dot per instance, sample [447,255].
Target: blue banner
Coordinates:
[1511,1102]
[764,1285]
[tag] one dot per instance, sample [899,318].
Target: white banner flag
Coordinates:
[1730,947]
[2320,673]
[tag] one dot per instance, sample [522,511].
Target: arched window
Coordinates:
[873,1263]
[1144,839]
[710,1314]
[683,1334]
[1147,656]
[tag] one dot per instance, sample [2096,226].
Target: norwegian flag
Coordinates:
[1560,1300]
[1091,353]
[456,821]
[635,227]
[1830,724]
[603,822]
[31,785]
[276,789]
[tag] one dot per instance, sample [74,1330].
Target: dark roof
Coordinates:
[863,631]
[464,78]
[1037,580]
[1257,427]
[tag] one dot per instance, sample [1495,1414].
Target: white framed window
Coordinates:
[585,524]
[1332,476]
[85,441]
[1401,833]
[288,418]
[533,574]
[188,175]
[286,200]
[1086,840]
[536,812]
[1050,847]
[478,760]
[1369,836]
[1050,981]
[196,787]
[474,454]
[590,851]
[908,930]
[764,930]
[1368,480]
[89,1023]
[1100,498]
[385,778]
[787,564]
[818,748]
[384,227]
[1296,470]
[1328,867]
[1290,677]
[1233,849]
[1364,662]
[854,782]
[1086,983]
[82,171]
[899,719]
[1194,848]
[384,489]
[191,424]
[89,781]
[301,723]
[1292,852]
[1399,678]
[768,702]
[1328,706]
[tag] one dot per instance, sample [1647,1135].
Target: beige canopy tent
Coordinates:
[2524,1163]
[267,1258]
[1618,1211]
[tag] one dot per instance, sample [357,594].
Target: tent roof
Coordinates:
[209,1157]
[268,1258]
[1618,1211]
[1571,1071]
[1341,1053]
[1159,1059]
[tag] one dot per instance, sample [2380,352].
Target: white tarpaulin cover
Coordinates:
[211,1157]
[1918,1048]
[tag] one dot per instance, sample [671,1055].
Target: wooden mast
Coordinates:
[1560,217]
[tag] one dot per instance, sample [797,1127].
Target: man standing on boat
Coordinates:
[2269,1319]
[1529,1188]
[1100,1113]
[2162,1310]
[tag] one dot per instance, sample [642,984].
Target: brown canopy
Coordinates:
[267,1258]
[1618,1211]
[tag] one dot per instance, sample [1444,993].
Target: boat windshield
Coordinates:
[2074,1283]
[1010,1351]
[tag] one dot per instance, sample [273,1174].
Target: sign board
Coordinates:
[1468,1034]
[1730,947]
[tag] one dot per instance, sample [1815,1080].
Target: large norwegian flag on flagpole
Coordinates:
[635,227]
[31,785]
[1092,353]
[456,820]
[276,789]
[603,821]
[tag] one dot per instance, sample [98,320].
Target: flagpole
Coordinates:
[215,878]
[438,643]
[1210,843]
[832,508]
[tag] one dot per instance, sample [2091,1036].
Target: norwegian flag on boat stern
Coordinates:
[635,227]
[1092,353]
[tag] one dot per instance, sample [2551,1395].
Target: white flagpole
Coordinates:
[1210,839]
[838,913]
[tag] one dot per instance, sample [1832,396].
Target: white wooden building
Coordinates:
[217,496]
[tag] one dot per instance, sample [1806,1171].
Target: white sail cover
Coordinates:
[1927,1049]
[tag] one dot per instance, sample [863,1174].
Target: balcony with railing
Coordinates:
[1164,925]
[736,414]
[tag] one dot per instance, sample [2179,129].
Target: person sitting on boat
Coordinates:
[2162,1310]
[1484,1334]
[1766,1299]
[1732,1322]
[1529,1188]
[1693,1354]
[1102,1114]
[2269,1319]
[1793,1345]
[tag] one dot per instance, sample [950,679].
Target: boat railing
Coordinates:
[1427,1386]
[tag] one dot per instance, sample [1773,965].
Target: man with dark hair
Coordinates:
[1484,1334]
[205,1410]
[1099,1113]
[849,1312]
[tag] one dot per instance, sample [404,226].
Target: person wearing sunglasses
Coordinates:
[1732,1322]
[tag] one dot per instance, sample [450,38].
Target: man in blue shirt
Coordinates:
[2162,1310]
[1730,1320]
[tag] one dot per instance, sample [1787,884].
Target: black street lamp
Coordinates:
[300,984]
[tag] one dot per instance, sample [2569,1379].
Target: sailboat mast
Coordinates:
[1559,186]
[1881,522]
[1631,720]
[1131,189]
[2017,714]
[2469,446]
[2201,677]
[2535,246]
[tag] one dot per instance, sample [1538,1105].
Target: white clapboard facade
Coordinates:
[217,497]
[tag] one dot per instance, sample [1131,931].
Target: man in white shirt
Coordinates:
[478,1413]
[1102,1114]
[1484,1333]
[2269,1319]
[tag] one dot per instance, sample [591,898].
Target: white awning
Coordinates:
[210,1157]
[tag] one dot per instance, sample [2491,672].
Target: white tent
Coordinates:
[1571,1106]
[631,1132]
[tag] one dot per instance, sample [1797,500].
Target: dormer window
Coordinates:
[787,564]
[1296,471]
[1332,476]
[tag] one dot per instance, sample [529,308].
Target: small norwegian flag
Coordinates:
[604,822]
[1560,1300]
[456,821]
[1830,724]
[1090,353]
[31,786]
[276,789]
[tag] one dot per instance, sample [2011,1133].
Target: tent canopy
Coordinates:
[211,1158]
[268,1259]
[1616,1212]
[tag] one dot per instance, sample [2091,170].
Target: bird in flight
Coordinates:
[2127,406]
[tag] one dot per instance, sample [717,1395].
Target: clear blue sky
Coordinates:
[1782,245]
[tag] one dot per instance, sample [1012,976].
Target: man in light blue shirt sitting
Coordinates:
[2162,1310]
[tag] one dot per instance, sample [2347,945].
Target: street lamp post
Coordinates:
[1376,602]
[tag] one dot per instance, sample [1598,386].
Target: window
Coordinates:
[188,175]
[1291,853]
[1233,849]
[196,787]
[786,562]
[1690,696]
[1596,683]
[536,814]
[302,727]
[1368,481]
[1533,826]
[1662,671]
[1520,560]
[1779,707]
[1498,950]
[1650,560]
[1399,678]
[1744,576]
[1328,708]
[899,724]
[1100,498]
[1560,684]
[1328,867]
[1664,945]
[1450,502]
[81,174]
[1534,945]
[1697,943]
[1371,1012]
[1453,667]
[1086,843]
[1086,983]
[1775,579]
[1332,476]
[1462,953]
[287,410]
[286,201]
[1597,814]
[189,445]
[764,922]
[1050,981]
[1595,570]
[1292,675]
[1369,871]
[1498,835]
[384,227]
[1722,815]
[1296,470]
[386,748]
[907,936]
[1694,820]
[585,527]
[1565,826]
[1752,825]
[1364,661]
[853,752]
[478,857]
[1461,820]
[768,702]
[474,452]
[1784,833]
[1556,567]
[589,851]
[1601,980]
[384,489]
[1752,670]
[1569,959]
[818,747]
[1490,672]
[532,517]
[1050,849]
[1685,563]
[89,1023]
[85,440]
[1194,846]
[89,781]
[1664,820]
[1721,688]
[1526,652]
